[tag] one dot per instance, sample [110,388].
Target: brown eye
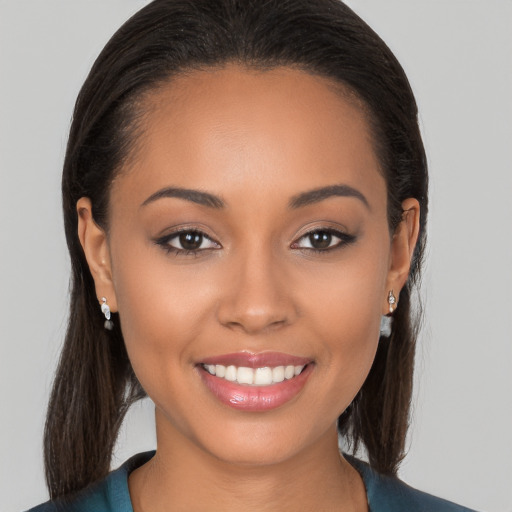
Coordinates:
[187,242]
[190,241]
[320,239]
[323,240]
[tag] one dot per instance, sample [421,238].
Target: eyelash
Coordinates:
[344,240]
[164,241]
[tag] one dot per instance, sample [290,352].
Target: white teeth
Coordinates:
[210,368]
[263,376]
[254,376]
[245,375]
[230,373]
[289,372]
[278,374]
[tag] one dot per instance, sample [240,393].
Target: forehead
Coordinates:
[230,129]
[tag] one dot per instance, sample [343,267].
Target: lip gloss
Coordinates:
[246,397]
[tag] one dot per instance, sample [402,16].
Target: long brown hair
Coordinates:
[95,384]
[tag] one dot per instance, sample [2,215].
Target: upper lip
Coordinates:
[260,360]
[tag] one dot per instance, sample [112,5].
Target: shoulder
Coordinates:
[110,494]
[389,494]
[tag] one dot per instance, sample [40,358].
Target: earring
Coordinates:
[391,301]
[386,323]
[105,309]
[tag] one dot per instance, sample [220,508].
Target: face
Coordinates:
[249,243]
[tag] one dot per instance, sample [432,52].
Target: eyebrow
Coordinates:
[319,194]
[298,201]
[194,196]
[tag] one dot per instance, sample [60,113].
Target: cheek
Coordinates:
[346,308]
[162,309]
[348,297]
[163,313]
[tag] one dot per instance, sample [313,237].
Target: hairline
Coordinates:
[141,105]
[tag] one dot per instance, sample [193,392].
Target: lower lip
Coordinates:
[255,398]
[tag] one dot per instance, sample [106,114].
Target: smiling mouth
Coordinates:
[256,377]
[255,382]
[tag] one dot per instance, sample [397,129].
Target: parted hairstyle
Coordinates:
[94,383]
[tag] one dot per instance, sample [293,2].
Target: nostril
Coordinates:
[255,301]
[256,324]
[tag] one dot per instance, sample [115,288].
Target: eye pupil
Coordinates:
[320,239]
[191,240]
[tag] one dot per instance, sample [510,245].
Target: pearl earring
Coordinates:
[105,309]
[386,322]
[391,301]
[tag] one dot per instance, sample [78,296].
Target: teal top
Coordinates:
[385,494]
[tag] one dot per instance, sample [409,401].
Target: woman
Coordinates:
[245,198]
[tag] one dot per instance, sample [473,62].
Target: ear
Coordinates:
[402,249]
[95,245]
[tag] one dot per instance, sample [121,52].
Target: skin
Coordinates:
[244,137]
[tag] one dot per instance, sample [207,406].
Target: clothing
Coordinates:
[385,494]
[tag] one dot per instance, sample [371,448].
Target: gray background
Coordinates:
[457,54]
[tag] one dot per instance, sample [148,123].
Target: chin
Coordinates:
[260,443]
[254,454]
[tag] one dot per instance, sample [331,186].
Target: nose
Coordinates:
[256,296]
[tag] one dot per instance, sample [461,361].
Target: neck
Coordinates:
[182,476]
